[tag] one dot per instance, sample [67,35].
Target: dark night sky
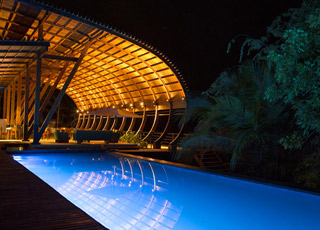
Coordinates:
[193,34]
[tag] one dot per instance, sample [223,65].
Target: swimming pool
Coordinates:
[128,193]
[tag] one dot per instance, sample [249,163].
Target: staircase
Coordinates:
[211,160]
[155,135]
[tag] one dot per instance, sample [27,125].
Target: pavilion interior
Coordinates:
[43,49]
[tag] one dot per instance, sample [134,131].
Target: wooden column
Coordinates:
[42,93]
[13,102]
[12,108]
[36,136]
[8,104]
[18,111]
[32,87]
[5,93]
[53,87]
[63,90]
[26,105]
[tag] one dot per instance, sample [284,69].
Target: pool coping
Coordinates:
[262,181]
[225,174]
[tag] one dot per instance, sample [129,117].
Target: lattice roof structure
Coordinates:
[96,65]
[118,69]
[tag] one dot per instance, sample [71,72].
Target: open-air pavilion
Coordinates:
[43,49]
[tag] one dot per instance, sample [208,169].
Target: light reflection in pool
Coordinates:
[126,193]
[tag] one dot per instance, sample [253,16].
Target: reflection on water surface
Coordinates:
[126,193]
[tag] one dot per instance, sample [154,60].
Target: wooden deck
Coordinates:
[160,154]
[51,144]
[26,202]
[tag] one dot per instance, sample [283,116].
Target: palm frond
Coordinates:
[202,142]
[197,107]
[234,106]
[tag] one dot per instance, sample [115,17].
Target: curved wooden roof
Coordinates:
[117,71]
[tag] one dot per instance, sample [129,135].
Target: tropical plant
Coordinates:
[267,115]
[134,138]
[297,70]
[291,48]
[259,48]
[233,114]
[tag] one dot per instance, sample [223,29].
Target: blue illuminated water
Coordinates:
[126,193]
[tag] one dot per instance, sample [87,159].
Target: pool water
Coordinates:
[127,193]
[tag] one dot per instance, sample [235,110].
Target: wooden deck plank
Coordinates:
[26,202]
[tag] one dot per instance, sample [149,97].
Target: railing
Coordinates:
[211,160]
[155,135]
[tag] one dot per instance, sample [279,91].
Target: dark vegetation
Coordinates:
[265,113]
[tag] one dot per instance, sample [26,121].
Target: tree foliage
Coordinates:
[291,47]
[267,112]
[297,68]
[233,113]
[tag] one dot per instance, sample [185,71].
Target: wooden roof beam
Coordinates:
[56,57]
[17,13]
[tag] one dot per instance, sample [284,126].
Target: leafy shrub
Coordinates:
[133,138]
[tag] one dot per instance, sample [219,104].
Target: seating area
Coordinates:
[90,135]
[61,137]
